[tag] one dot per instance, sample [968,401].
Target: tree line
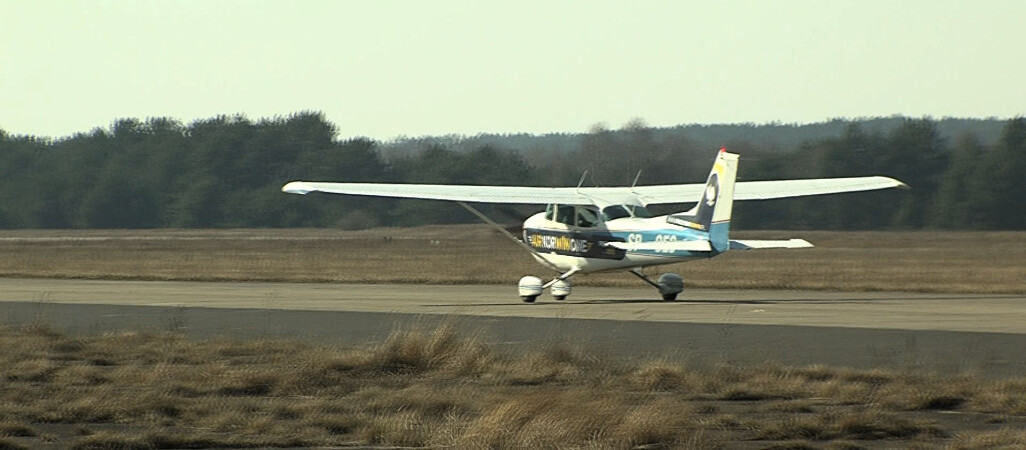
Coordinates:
[227,171]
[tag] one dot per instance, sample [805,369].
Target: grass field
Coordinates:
[970,262]
[443,388]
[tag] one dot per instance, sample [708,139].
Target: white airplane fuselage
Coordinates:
[567,247]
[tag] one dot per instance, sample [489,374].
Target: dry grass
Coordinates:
[1005,438]
[443,388]
[973,262]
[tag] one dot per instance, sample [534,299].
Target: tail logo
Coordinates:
[711,188]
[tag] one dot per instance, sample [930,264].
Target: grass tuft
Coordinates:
[663,375]
[791,445]
[16,429]
[416,351]
[8,444]
[1005,438]
[944,402]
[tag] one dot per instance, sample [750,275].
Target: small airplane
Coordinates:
[599,229]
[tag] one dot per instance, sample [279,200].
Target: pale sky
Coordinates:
[387,68]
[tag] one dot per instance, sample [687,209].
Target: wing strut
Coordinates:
[506,233]
[579,183]
[637,272]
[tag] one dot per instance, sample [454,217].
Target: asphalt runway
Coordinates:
[947,333]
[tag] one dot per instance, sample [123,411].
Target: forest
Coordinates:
[227,172]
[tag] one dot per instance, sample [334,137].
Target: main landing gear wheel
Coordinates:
[669,284]
[528,298]
[560,289]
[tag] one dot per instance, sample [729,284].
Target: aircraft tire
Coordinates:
[670,297]
[560,297]
[528,298]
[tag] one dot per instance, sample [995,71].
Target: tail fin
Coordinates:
[712,213]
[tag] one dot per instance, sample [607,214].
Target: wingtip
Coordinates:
[802,243]
[892,182]
[295,187]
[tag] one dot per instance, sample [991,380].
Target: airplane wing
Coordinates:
[765,190]
[602,196]
[451,192]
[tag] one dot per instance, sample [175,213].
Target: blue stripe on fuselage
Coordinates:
[664,235]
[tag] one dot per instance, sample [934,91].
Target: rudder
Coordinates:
[713,211]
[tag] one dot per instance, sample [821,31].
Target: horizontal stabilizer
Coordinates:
[747,244]
[663,246]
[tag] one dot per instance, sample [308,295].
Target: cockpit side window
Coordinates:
[620,211]
[639,211]
[615,212]
[550,212]
[587,217]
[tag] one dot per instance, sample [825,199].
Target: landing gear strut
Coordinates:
[669,284]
